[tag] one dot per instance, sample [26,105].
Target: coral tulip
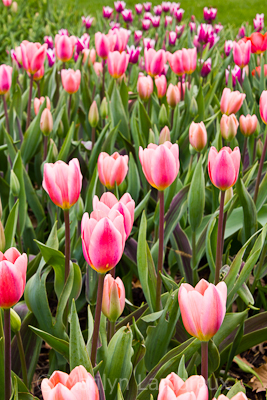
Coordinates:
[63,182]
[113,298]
[5,78]
[229,125]
[71,80]
[154,61]
[198,135]
[202,308]
[258,71]
[112,169]
[161,84]
[248,124]
[144,86]
[173,95]
[241,53]
[38,102]
[231,101]
[79,384]
[238,396]
[173,387]
[258,42]
[160,164]
[224,167]
[33,56]
[13,266]
[98,67]
[263,106]
[117,63]
[89,55]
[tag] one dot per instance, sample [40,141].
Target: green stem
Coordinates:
[193,259]
[98,309]
[111,330]
[45,146]
[260,170]
[7,329]
[219,240]
[160,256]
[103,79]
[67,243]
[69,107]
[204,360]
[244,151]
[29,103]
[93,137]
[6,114]
[22,358]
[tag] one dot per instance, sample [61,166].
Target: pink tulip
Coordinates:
[71,80]
[231,101]
[63,182]
[112,169]
[13,266]
[192,26]
[119,6]
[89,55]
[248,124]
[98,67]
[49,41]
[38,102]
[149,43]
[33,56]
[118,39]
[166,5]
[144,86]
[113,301]
[209,14]
[158,10]
[238,396]
[154,61]
[173,95]
[241,53]
[229,125]
[117,63]
[242,32]
[102,45]
[172,38]
[146,24]
[258,22]
[263,106]
[160,164]
[179,29]
[51,57]
[103,239]
[202,308]
[147,6]
[38,75]
[228,45]
[174,388]
[125,206]
[206,68]
[79,384]
[168,20]
[183,61]
[64,46]
[138,8]
[198,135]
[137,36]
[127,15]
[107,12]
[161,85]
[5,78]
[133,54]
[7,3]
[87,21]
[178,14]
[223,167]
[16,56]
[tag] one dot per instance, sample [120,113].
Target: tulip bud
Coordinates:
[151,136]
[14,7]
[163,118]
[60,130]
[113,298]
[46,122]
[14,184]
[164,135]
[193,107]
[197,136]
[15,321]
[2,238]
[93,116]
[228,195]
[79,208]
[52,153]
[229,125]
[173,95]
[259,148]
[104,108]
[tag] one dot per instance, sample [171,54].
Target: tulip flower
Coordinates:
[119,6]
[228,45]
[173,387]
[138,8]
[241,53]
[118,39]
[51,57]
[144,86]
[173,95]
[146,24]
[5,78]
[125,206]
[113,298]
[263,114]
[87,21]
[117,63]
[79,384]
[209,14]
[133,54]
[248,124]
[258,42]
[89,55]
[127,15]
[237,75]
[229,125]
[102,45]
[112,169]
[7,3]
[206,68]
[149,43]
[39,74]
[49,41]
[231,101]
[46,122]
[16,56]
[198,136]
[178,14]
[183,61]
[179,29]
[258,22]
[33,56]
[38,102]
[71,80]
[168,20]
[263,106]
[147,6]
[64,47]
[137,36]
[238,396]
[98,67]
[166,5]
[154,61]
[161,85]
[172,38]
[157,10]
[107,12]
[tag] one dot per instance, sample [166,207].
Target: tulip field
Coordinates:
[133,204]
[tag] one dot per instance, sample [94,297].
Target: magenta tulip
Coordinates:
[223,167]
[231,101]
[154,61]
[5,78]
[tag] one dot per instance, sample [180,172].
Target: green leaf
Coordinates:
[196,197]
[182,372]
[18,169]
[11,225]
[133,179]
[213,357]
[60,345]
[118,114]
[238,387]
[140,207]
[152,317]
[97,149]
[249,209]
[65,149]
[144,120]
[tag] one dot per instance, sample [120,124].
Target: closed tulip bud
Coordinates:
[151,136]
[112,169]
[15,321]
[93,116]
[64,46]
[54,150]
[163,117]
[164,135]
[229,125]
[60,130]
[144,87]
[173,95]
[14,184]
[231,101]
[248,124]
[223,167]
[161,84]
[104,108]
[198,135]
[14,7]
[113,298]
[259,148]
[2,237]
[193,107]
[46,122]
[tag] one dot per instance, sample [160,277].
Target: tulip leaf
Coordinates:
[11,225]
[18,170]
[97,148]
[144,121]
[140,207]
[118,114]
[211,245]
[119,393]
[183,252]
[65,149]
[33,199]
[91,191]
[60,345]
[133,179]
[196,197]
[213,357]
[238,387]
[249,209]
[182,372]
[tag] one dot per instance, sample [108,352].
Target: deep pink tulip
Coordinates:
[117,63]
[161,85]
[107,12]
[206,68]
[228,126]
[155,20]
[237,74]
[173,95]
[202,308]
[223,167]
[79,384]
[160,164]
[241,53]
[64,46]
[149,43]
[138,8]
[242,32]
[144,86]
[7,3]
[71,80]
[174,388]
[33,56]
[13,267]
[134,53]
[49,41]
[179,30]
[127,15]
[51,57]
[248,124]
[87,21]
[63,182]
[102,45]
[238,396]
[103,239]
[172,38]
[178,14]
[154,61]
[37,103]
[125,206]
[197,135]
[192,26]
[168,20]
[166,5]
[119,6]
[146,24]
[231,101]
[112,169]
[137,36]
[113,301]
[5,78]
[263,106]
[209,14]
[147,6]
[118,39]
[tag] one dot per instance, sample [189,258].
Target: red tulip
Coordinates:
[224,167]
[258,42]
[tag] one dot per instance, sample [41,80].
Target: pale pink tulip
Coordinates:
[238,396]
[263,106]
[229,125]
[248,124]
[154,61]
[173,95]
[71,80]
[174,388]
[231,101]
[161,84]
[144,86]
[112,169]
[90,55]
[113,301]
[197,135]
[223,167]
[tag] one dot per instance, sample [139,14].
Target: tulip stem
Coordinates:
[6,115]
[103,79]
[254,150]
[219,240]
[69,107]
[204,360]
[93,137]
[98,309]
[260,170]
[45,147]
[160,256]
[182,93]
[7,329]
[22,358]
[193,259]
[111,330]
[244,151]
[29,103]
[67,243]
